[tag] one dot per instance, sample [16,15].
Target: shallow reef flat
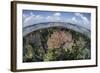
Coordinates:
[55,44]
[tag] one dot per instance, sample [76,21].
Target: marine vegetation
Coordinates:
[55,44]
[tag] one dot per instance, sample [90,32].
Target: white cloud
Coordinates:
[54,17]
[25,16]
[85,19]
[33,19]
[28,19]
[48,17]
[74,19]
[32,14]
[39,17]
[57,14]
[78,14]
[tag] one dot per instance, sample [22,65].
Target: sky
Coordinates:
[31,17]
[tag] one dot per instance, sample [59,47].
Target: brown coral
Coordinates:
[59,38]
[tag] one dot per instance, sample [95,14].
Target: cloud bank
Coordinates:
[76,18]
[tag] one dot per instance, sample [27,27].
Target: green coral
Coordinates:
[48,56]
